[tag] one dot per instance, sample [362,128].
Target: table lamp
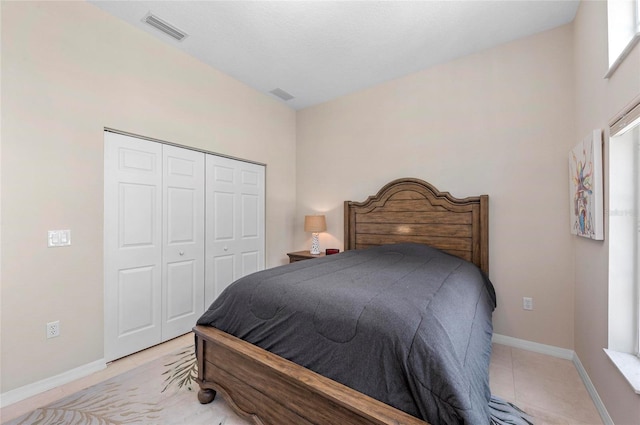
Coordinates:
[314,224]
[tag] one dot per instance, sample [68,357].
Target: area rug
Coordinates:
[162,392]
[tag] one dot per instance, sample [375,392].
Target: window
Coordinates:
[624,244]
[624,30]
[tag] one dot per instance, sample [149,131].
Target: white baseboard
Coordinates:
[562,353]
[549,350]
[604,414]
[47,384]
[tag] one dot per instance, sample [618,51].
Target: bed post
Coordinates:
[205,395]
[347,227]
[484,233]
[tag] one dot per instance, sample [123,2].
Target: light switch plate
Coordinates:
[59,238]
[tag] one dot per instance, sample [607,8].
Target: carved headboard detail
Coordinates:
[412,210]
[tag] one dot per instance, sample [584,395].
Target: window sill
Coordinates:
[629,366]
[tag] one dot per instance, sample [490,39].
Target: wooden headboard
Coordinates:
[412,210]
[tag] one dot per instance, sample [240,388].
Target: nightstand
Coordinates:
[302,255]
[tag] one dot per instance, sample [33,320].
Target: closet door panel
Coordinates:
[182,295]
[136,291]
[250,262]
[220,226]
[222,267]
[251,199]
[133,244]
[251,232]
[235,222]
[183,248]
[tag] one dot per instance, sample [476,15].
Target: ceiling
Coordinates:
[320,50]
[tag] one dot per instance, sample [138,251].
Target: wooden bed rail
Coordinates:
[269,390]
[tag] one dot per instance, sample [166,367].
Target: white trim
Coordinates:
[549,350]
[193,148]
[562,353]
[622,22]
[591,389]
[628,365]
[623,55]
[47,384]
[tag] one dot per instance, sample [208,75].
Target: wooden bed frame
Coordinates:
[269,390]
[412,210]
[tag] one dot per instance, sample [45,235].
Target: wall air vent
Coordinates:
[165,27]
[281,94]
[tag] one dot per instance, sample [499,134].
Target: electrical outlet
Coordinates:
[527,303]
[53,329]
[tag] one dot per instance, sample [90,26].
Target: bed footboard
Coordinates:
[269,390]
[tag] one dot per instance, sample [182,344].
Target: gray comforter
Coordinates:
[406,324]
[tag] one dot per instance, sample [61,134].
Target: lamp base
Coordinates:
[315,245]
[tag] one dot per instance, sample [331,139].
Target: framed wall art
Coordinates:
[585,187]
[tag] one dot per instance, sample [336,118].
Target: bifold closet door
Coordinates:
[183,240]
[154,242]
[133,244]
[235,222]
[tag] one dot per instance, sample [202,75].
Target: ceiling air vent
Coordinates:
[164,26]
[281,94]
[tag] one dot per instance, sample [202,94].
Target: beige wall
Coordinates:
[499,122]
[597,101]
[68,71]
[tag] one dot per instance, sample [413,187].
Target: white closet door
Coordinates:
[133,244]
[234,222]
[183,235]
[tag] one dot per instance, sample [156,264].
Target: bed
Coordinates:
[405,222]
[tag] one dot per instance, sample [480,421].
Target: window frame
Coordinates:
[634,25]
[628,363]
[627,121]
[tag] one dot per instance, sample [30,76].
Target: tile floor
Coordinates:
[548,388]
